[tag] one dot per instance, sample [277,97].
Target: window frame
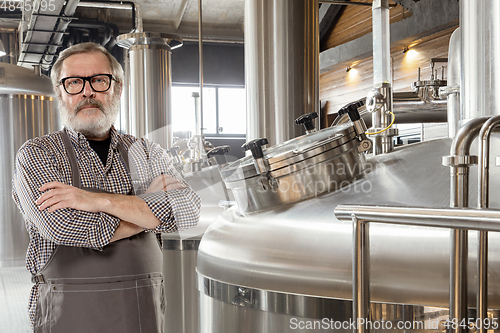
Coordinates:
[217,122]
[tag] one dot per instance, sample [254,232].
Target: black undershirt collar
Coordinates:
[101,148]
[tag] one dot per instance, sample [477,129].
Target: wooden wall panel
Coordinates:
[339,87]
[355,22]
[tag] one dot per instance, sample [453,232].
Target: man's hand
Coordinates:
[165,183]
[59,196]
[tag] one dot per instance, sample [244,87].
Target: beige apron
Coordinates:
[119,289]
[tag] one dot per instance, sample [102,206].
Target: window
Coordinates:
[224,110]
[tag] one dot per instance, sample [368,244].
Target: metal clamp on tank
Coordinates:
[261,164]
[219,153]
[308,121]
[359,124]
[176,159]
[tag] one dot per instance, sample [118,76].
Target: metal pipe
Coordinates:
[200,48]
[346,3]
[129,5]
[62,25]
[483,202]
[454,59]
[451,218]
[360,274]
[382,81]
[483,160]
[408,107]
[459,163]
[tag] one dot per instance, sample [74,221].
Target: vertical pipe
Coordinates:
[454,64]
[382,79]
[200,46]
[360,275]
[381,43]
[458,279]
[483,202]
[459,198]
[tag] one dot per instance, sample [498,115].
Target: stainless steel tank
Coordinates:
[150,84]
[480,79]
[281,66]
[292,263]
[180,252]
[28,110]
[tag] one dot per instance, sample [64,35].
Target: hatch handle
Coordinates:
[308,121]
[255,146]
[220,154]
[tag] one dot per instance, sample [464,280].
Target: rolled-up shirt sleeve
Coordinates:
[34,167]
[177,209]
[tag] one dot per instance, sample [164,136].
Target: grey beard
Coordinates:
[96,128]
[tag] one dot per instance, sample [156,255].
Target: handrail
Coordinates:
[361,215]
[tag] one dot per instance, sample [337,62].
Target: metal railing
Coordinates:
[458,218]
[361,216]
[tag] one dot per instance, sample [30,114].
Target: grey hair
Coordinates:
[116,68]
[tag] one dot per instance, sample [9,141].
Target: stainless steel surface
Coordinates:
[408,107]
[28,110]
[18,81]
[281,66]
[459,252]
[264,250]
[129,5]
[381,118]
[23,117]
[182,308]
[459,197]
[480,80]
[360,272]
[199,116]
[180,253]
[483,202]
[451,218]
[150,75]
[299,169]
[227,308]
[454,67]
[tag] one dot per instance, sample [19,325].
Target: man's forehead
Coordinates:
[86,64]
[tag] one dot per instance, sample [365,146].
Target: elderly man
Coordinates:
[93,201]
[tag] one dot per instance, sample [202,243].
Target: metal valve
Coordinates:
[220,154]
[359,124]
[176,159]
[255,146]
[374,101]
[308,121]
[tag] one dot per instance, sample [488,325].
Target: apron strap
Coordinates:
[75,171]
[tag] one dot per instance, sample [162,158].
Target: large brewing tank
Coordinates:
[28,110]
[276,267]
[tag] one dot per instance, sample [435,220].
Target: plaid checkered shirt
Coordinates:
[44,159]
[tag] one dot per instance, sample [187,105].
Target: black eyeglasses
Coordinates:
[99,83]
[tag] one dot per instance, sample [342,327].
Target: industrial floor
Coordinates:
[15,287]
